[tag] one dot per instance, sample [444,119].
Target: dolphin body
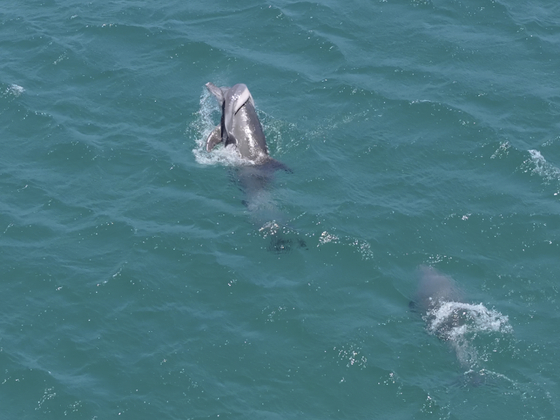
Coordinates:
[440,302]
[240,128]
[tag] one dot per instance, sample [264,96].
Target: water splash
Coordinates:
[14,90]
[463,325]
[351,355]
[538,165]
[282,239]
[363,247]
[501,151]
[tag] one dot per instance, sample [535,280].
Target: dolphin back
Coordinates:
[434,289]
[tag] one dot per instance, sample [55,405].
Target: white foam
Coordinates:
[466,318]
[542,168]
[15,90]
[460,323]
[327,237]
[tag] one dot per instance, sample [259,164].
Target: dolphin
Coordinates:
[241,129]
[462,325]
[240,126]
[435,290]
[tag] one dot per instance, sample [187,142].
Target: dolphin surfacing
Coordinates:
[466,327]
[434,291]
[240,126]
[240,129]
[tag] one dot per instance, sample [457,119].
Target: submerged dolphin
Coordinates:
[240,128]
[462,325]
[434,291]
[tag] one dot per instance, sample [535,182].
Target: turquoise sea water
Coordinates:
[134,282]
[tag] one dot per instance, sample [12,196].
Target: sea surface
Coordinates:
[422,136]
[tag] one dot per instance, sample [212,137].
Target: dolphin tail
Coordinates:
[214,138]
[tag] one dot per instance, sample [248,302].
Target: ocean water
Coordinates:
[135,283]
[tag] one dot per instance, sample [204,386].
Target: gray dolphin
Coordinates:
[434,290]
[240,126]
[462,325]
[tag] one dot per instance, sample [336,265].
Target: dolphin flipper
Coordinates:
[214,138]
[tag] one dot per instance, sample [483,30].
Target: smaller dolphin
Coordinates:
[240,126]
[462,325]
[435,290]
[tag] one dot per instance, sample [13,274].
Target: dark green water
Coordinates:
[134,282]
